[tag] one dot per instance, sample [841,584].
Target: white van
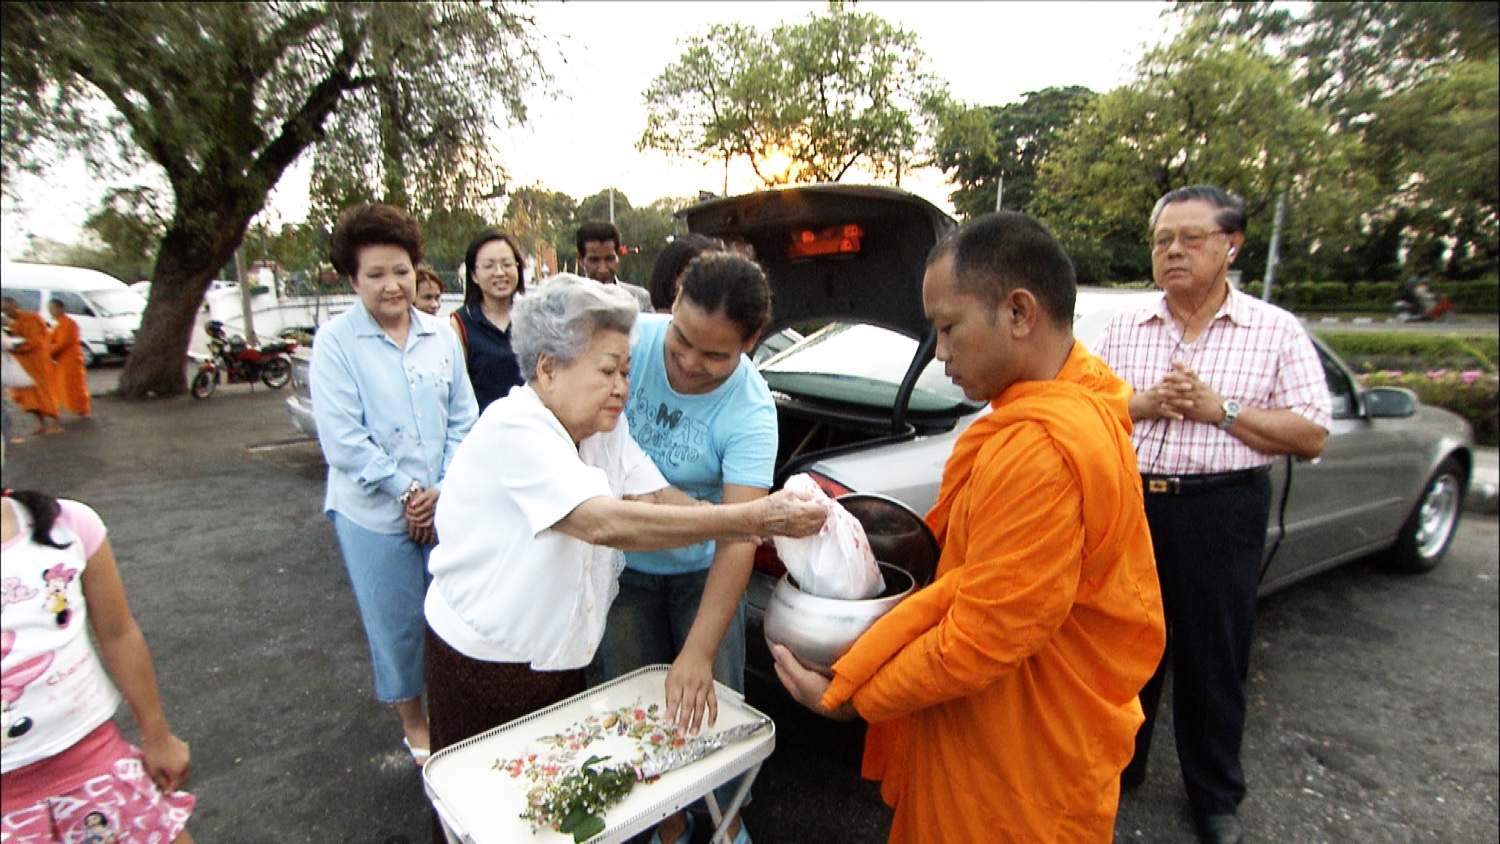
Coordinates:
[108,312]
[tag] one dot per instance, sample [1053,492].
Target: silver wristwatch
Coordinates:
[1231,413]
[411,490]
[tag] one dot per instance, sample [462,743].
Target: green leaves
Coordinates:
[978,146]
[574,803]
[806,102]
[223,97]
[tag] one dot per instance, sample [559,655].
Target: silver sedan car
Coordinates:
[864,407]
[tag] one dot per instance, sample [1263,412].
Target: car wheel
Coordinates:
[1430,528]
[89,357]
[276,373]
[204,384]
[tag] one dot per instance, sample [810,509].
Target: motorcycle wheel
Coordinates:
[276,372]
[203,384]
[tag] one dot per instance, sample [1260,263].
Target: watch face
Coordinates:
[1231,411]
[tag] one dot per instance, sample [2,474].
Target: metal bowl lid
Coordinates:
[897,534]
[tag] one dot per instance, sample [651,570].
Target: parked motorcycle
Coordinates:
[235,361]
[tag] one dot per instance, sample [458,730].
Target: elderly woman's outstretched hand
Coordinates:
[785,513]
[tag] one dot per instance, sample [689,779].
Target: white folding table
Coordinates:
[480,801]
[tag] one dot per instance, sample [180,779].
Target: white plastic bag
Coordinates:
[836,562]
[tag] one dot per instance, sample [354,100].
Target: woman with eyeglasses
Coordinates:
[494,277]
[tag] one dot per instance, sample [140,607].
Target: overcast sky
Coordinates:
[604,55]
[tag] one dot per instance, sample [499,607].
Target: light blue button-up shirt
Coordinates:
[387,416]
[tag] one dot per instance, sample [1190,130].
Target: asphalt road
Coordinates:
[1374,697]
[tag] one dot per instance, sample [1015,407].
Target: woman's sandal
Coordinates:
[419,755]
[685,838]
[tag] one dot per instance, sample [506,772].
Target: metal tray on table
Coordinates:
[479,785]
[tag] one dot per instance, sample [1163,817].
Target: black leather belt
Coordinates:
[1195,484]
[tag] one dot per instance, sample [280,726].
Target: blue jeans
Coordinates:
[389,576]
[649,623]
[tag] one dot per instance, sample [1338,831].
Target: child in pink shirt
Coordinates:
[66,773]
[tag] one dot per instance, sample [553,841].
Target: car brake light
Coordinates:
[831,487]
[768,561]
[834,240]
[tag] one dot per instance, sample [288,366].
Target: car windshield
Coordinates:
[861,365]
[117,302]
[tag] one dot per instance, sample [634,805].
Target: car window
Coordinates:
[72,303]
[117,302]
[1339,387]
[860,364]
[26,300]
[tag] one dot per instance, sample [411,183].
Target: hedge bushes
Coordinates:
[1470,297]
[1455,373]
[1368,351]
[1472,394]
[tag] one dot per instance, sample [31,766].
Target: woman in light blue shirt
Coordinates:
[392,400]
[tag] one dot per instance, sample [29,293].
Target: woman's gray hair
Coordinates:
[562,315]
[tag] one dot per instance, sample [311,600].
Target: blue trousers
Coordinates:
[390,578]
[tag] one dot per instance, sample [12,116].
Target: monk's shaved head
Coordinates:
[994,254]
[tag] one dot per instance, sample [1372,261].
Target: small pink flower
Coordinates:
[1470,376]
[1436,374]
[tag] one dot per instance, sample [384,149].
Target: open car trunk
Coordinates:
[840,257]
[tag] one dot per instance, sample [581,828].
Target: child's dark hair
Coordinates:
[43,510]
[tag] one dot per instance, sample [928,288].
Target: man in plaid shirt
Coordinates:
[1224,384]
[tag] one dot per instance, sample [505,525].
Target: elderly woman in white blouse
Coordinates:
[539,503]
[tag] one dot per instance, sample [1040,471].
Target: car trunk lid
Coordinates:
[886,234]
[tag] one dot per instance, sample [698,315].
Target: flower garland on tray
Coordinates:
[572,798]
[575,803]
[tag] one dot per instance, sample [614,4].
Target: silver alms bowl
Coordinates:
[820,630]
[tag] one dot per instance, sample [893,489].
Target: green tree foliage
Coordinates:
[1226,116]
[298,250]
[717,101]
[223,97]
[1415,85]
[540,218]
[979,146]
[646,229]
[129,224]
[806,102]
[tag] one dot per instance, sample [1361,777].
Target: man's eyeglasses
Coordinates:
[1162,241]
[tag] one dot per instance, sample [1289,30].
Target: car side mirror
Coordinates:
[1392,403]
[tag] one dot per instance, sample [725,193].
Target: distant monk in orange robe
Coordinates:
[38,399]
[1002,698]
[66,348]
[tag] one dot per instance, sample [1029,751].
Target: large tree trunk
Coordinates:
[191,254]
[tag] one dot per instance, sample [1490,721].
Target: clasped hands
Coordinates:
[420,509]
[1181,394]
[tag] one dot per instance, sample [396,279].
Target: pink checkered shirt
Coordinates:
[1253,352]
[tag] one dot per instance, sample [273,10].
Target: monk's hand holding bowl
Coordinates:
[807,686]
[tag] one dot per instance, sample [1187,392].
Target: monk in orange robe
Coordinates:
[1002,698]
[66,349]
[38,399]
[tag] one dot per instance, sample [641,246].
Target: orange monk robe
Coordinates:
[1002,698]
[66,349]
[34,358]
